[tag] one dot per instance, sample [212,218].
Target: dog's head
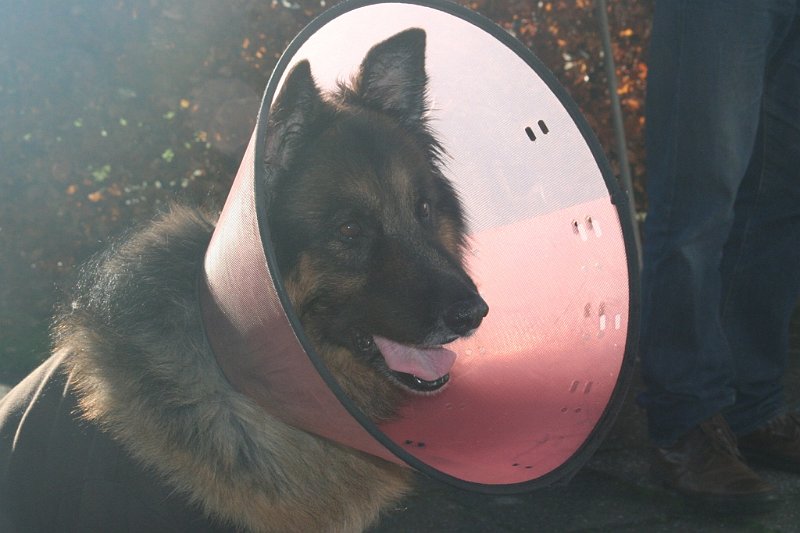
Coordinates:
[368,233]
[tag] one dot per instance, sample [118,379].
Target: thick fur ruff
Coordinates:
[146,374]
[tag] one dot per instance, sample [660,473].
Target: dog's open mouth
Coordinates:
[421,369]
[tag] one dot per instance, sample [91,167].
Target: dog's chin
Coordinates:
[366,346]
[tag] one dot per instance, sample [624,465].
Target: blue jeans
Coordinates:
[722,236]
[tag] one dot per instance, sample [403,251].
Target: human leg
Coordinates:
[761,262]
[707,67]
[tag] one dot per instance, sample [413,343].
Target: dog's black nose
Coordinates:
[465,315]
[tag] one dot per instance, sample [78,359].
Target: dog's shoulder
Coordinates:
[144,374]
[132,320]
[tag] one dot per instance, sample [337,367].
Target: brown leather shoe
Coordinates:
[705,465]
[775,444]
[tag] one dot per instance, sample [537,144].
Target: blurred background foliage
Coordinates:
[111,108]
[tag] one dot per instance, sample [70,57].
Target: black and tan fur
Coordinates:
[369,237]
[401,277]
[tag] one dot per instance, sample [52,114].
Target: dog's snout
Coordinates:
[465,315]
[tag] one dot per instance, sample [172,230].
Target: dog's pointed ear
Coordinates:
[392,76]
[291,117]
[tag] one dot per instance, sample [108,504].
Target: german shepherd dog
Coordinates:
[369,237]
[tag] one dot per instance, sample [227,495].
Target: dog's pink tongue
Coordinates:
[426,363]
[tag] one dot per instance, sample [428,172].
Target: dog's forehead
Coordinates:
[384,190]
[411,182]
[396,183]
[383,162]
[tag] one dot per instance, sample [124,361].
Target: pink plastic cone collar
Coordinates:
[533,391]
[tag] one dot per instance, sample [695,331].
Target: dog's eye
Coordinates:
[350,230]
[424,210]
